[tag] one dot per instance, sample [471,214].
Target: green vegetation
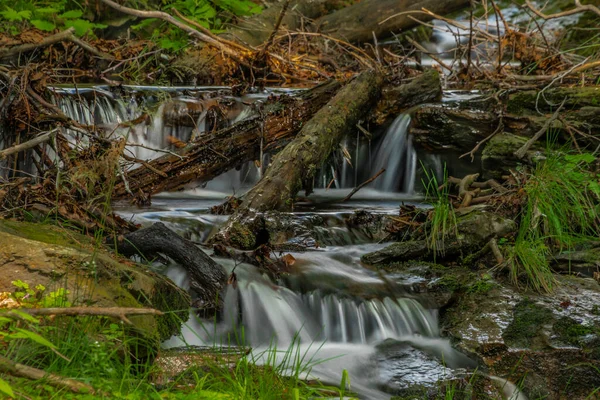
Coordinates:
[529,320]
[442,223]
[105,355]
[560,212]
[53,15]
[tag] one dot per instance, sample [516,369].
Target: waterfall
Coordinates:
[180,115]
[396,154]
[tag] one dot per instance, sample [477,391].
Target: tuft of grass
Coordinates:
[562,199]
[561,211]
[442,218]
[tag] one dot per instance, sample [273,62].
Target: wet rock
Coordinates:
[473,231]
[583,261]
[550,343]
[46,255]
[439,127]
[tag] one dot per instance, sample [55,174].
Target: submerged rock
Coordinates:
[57,259]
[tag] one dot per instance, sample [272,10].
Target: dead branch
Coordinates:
[118,312]
[209,39]
[16,369]
[29,144]
[356,189]
[579,8]
[67,35]
[520,153]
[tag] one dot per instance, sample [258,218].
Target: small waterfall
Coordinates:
[396,154]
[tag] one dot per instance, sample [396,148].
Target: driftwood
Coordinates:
[66,35]
[382,18]
[207,278]
[215,153]
[295,166]
[17,369]
[118,312]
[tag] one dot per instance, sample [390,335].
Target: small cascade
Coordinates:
[396,154]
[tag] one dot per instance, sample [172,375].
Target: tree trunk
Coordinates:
[213,154]
[360,21]
[207,278]
[295,166]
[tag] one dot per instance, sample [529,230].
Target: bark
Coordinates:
[295,166]
[359,22]
[213,154]
[207,278]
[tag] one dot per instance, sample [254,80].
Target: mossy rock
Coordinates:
[60,259]
[498,155]
[527,326]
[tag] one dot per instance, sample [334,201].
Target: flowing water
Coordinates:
[331,310]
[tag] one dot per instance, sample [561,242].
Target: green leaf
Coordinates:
[43,25]
[577,158]
[25,317]
[35,337]
[81,26]
[73,14]
[6,389]
[46,10]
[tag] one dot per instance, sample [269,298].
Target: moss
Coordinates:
[241,236]
[45,233]
[524,102]
[570,331]
[526,327]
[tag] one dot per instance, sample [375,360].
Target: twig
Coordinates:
[521,152]
[67,34]
[145,164]
[209,39]
[356,189]
[472,152]
[29,144]
[269,41]
[424,50]
[579,8]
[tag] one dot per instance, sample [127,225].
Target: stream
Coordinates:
[330,311]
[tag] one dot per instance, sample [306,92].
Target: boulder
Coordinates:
[39,254]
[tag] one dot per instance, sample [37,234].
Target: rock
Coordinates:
[498,155]
[473,231]
[58,259]
[439,127]
[551,343]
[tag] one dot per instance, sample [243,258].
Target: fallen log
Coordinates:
[207,278]
[215,153]
[362,21]
[295,166]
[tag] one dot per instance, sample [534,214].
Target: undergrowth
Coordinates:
[561,211]
[117,364]
[442,220]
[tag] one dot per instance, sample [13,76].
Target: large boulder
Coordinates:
[39,254]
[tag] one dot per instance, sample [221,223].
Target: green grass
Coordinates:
[106,356]
[442,222]
[561,211]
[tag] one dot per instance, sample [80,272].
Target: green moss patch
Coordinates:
[525,330]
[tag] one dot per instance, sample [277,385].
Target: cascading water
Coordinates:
[397,155]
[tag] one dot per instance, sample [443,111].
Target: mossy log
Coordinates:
[361,21]
[295,166]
